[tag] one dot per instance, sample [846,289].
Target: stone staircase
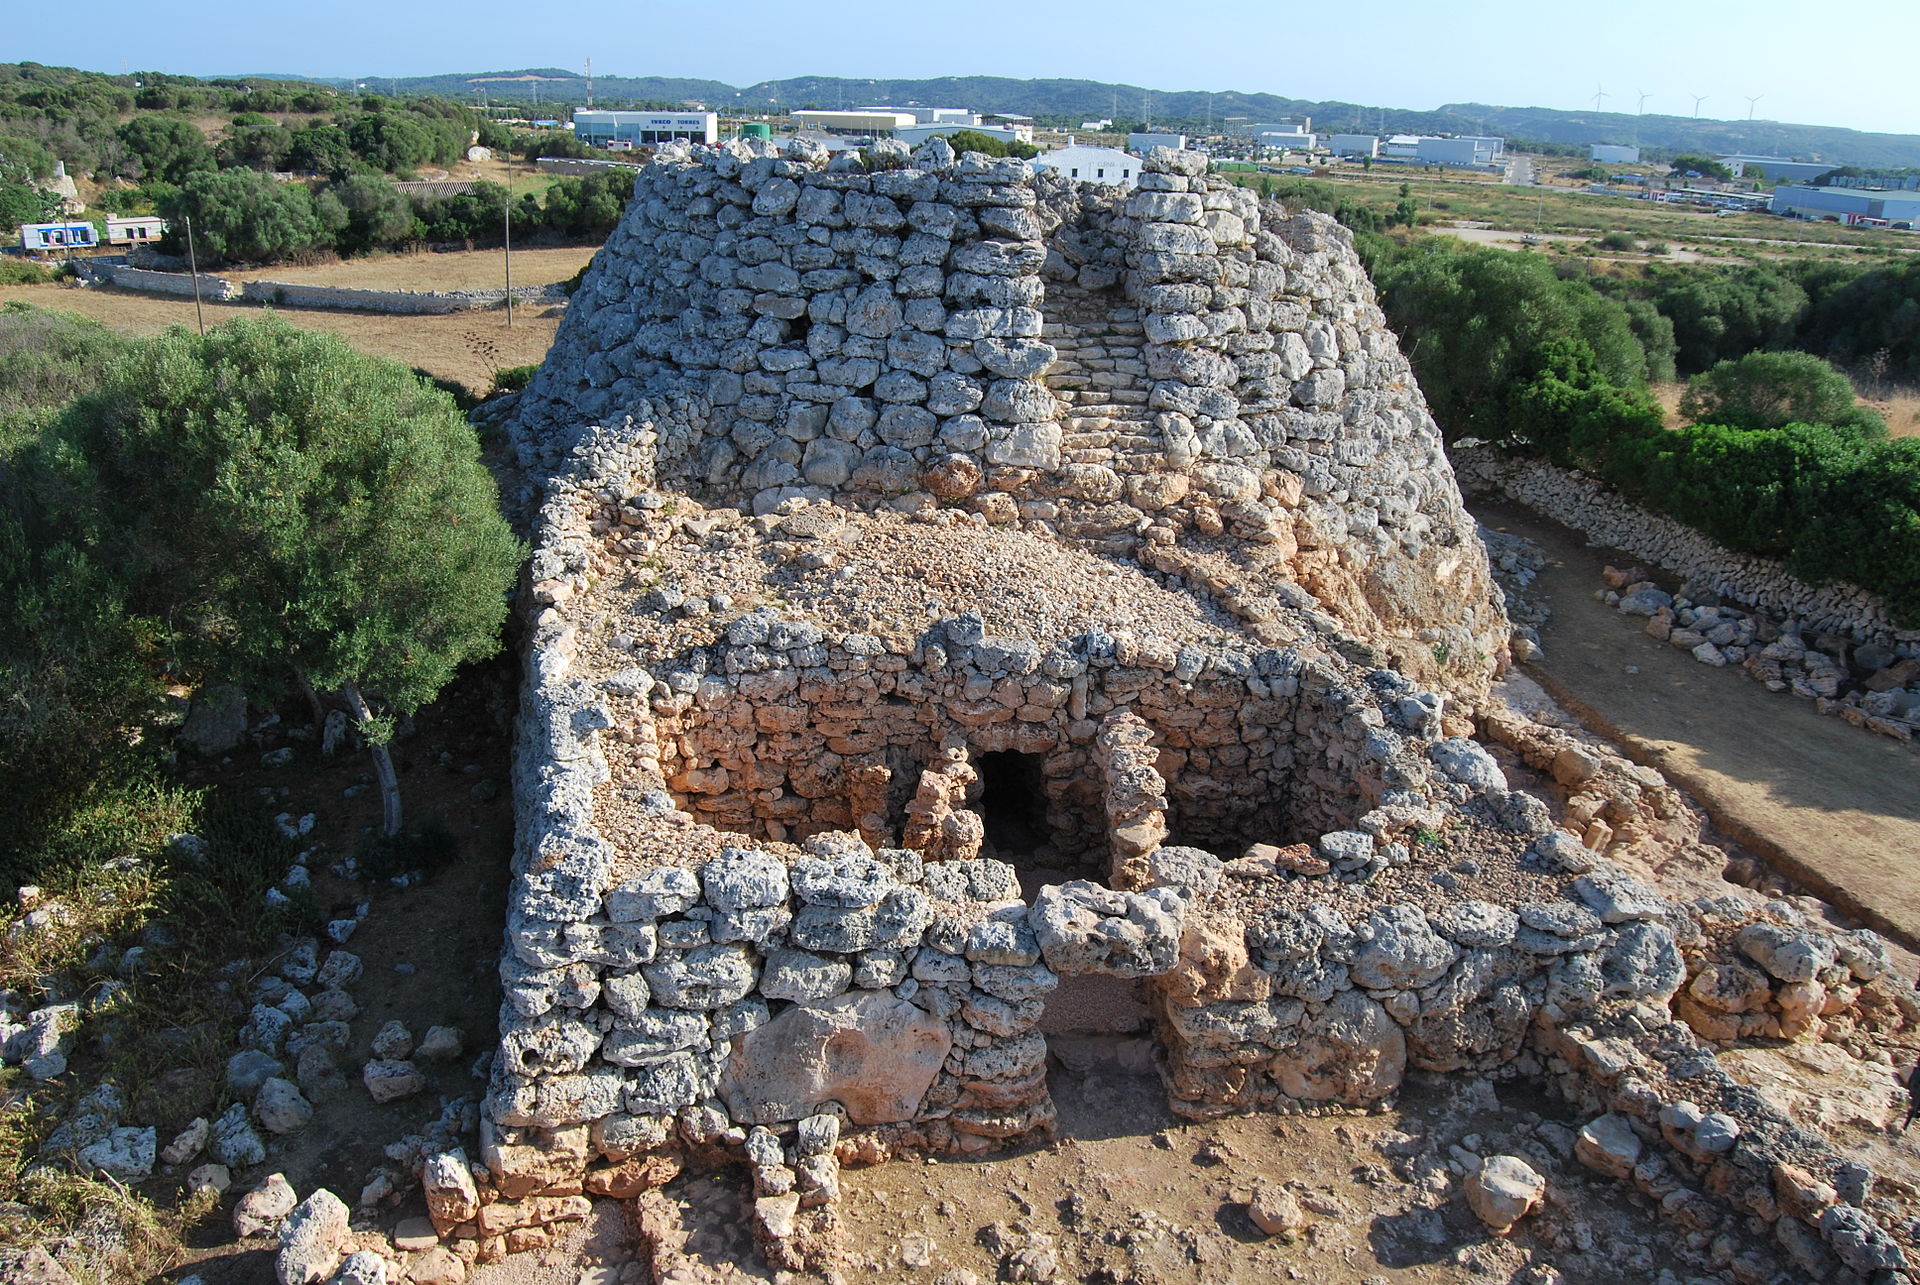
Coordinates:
[1101,377]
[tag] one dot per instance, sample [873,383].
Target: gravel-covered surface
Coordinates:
[887,574]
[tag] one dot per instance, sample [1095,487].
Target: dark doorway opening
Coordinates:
[1013,803]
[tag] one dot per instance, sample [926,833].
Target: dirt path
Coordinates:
[1834,807]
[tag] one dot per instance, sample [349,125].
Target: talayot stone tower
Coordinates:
[1173,371]
[980,623]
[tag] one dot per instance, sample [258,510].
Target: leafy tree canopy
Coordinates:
[296,512]
[1766,390]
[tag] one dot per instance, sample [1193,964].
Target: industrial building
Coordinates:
[1354,145]
[1614,154]
[914,135]
[620,130]
[1852,205]
[1463,149]
[1287,140]
[1141,142]
[877,122]
[933,115]
[1776,168]
[1105,165]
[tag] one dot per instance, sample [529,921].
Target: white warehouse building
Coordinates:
[1141,142]
[1614,154]
[1106,165]
[1354,145]
[644,129]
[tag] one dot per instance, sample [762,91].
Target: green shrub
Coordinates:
[514,378]
[1765,390]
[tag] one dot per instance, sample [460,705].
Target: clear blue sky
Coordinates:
[1812,67]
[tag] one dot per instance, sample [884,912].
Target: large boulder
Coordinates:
[873,1053]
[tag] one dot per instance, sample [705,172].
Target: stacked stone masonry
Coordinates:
[761,913]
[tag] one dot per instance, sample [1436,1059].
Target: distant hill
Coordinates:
[1068,102]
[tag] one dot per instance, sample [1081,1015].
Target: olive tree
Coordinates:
[301,516]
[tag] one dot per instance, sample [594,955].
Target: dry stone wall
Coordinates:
[1589,507]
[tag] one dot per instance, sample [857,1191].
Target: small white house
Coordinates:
[135,229]
[1105,165]
[39,238]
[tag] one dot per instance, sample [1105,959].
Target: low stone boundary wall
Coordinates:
[281,294]
[148,281]
[581,166]
[285,294]
[1588,506]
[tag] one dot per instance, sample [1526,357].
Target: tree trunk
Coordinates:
[314,707]
[382,761]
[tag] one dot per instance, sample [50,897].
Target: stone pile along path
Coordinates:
[1831,808]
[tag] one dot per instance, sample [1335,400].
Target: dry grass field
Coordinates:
[452,347]
[467,270]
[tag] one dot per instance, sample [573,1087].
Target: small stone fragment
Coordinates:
[261,1210]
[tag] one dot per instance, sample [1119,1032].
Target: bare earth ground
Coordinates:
[1131,1194]
[430,952]
[462,270]
[1834,806]
[450,347]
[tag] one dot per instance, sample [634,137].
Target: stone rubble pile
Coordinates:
[1868,684]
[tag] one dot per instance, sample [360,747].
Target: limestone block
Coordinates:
[871,1052]
[1086,929]
[1349,1052]
[1504,1190]
[313,1240]
[1608,1144]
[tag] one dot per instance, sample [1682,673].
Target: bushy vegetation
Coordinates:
[1768,390]
[1781,461]
[345,152]
[972,140]
[261,506]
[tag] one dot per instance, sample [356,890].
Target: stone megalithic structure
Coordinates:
[971,611]
[1137,371]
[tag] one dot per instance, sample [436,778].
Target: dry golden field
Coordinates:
[453,347]
[469,270]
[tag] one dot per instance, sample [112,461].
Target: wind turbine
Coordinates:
[1697,100]
[1750,102]
[1598,94]
[1638,113]
[1644,95]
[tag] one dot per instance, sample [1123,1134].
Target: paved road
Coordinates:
[1833,806]
[1519,171]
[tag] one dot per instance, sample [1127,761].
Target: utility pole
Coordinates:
[506,226]
[193,266]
